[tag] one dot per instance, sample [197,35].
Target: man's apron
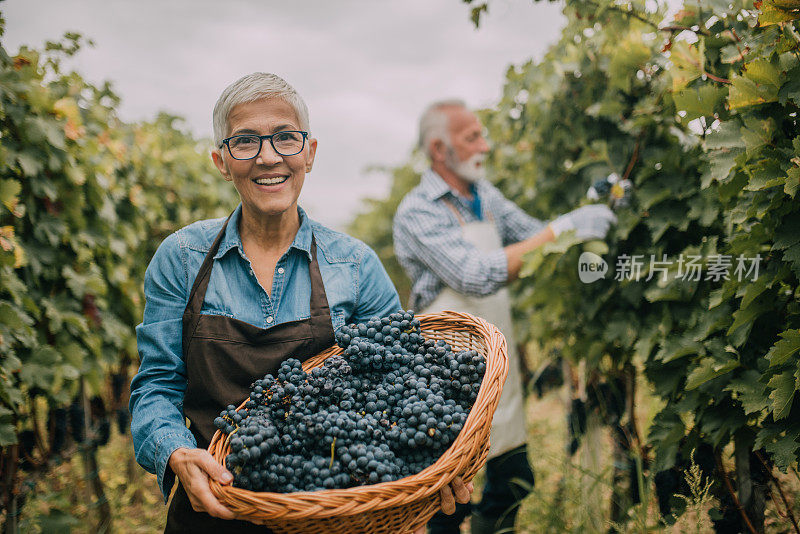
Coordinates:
[508,424]
[223,357]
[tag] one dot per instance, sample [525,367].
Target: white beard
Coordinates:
[471,170]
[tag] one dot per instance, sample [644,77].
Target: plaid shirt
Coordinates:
[429,244]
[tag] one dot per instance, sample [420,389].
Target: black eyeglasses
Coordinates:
[248,146]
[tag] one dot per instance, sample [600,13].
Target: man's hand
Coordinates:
[589,222]
[194,467]
[457,491]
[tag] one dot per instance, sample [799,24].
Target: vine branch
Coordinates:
[732,493]
[715,78]
[628,13]
[634,157]
[778,485]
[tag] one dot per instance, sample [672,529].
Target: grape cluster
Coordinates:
[387,408]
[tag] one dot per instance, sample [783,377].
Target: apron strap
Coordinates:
[191,315]
[320,309]
[198,293]
[457,213]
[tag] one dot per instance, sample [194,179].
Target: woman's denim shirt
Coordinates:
[356,285]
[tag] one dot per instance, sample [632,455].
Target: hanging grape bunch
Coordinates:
[387,408]
[616,191]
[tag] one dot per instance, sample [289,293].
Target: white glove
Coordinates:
[589,222]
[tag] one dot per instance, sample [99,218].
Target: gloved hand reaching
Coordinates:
[589,222]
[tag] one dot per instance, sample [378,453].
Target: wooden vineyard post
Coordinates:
[591,450]
[752,493]
[10,463]
[92,472]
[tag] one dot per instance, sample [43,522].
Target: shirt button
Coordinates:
[281,270]
[269,319]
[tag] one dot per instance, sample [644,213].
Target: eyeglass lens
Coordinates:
[284,143]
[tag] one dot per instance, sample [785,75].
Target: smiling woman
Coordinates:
[228,300]
[268,176]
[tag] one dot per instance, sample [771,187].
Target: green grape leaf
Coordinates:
[13,317]
[666,433]
[57,522]
[783,451]
[753,290]
[746,315]
[790,91]
[701,101]
[783,387]
[765,174]
[709,369]
[788,233]
[792,256]
[780,442]
[30,164]
[723,147]
[792,182]
[8,434]
[750,392]
[757,133]
[673,349]
[785,348]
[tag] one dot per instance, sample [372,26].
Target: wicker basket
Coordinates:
[394,507]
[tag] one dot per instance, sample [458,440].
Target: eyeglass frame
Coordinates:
[261,138]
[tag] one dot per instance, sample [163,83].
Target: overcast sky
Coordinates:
[365,68]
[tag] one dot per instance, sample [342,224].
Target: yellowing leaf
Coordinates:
[9,189]
[746,92]
[74,131]
[763,72]
[771,14]
[785,4]
[630,55]
[687,64]
[67,108]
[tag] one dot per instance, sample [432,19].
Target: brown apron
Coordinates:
[223,357]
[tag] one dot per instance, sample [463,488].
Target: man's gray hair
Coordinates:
[434,123]
[249,89]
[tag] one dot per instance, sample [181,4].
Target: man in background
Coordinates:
[461,242]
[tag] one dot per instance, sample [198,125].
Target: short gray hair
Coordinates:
[249,89]
[434,122]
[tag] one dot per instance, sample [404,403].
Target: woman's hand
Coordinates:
[455,492]
[194,467]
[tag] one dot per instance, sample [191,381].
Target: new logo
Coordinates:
[591,267]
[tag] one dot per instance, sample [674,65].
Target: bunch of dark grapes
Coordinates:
[387,408]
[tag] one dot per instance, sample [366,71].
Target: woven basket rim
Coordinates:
[452,462]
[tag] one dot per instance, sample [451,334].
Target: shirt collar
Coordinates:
[232,239]
[434,187]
